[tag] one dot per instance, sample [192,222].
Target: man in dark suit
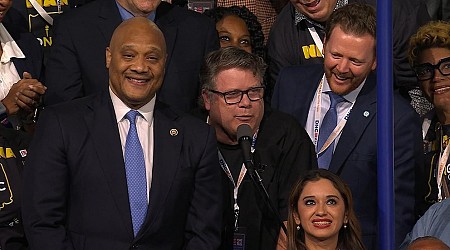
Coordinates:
[76,64]
[75,196]
[350,147]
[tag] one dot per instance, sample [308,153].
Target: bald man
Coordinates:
[120,170]
[428,243]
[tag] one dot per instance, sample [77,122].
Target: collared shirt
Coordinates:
[125,14]
[342,108]
[300,16]
[8,72]
[144,125]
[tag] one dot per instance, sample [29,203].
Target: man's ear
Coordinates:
[206,101]
[108,57]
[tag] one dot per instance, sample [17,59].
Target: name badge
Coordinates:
[239,239]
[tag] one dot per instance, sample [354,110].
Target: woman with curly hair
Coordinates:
[429,55]
[239,27]
[321,214]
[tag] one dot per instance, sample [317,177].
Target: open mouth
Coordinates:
[137,81]
[311,4]
[441,90]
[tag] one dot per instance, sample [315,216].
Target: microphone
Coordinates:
[244,136]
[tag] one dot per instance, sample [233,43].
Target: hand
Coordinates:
[25,95]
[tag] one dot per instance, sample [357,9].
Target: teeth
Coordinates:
[340,77]
[439,90]
[312,4]
[322,223]
[137,80]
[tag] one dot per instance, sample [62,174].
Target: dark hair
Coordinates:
[254,27]
[435,34]
[358,19]
[229,58]
[349,238]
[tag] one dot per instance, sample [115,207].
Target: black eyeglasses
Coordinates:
[235,96]
[426,71]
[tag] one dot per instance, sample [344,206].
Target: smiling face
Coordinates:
[233,31]
[136,59]
[225,118]
[321,212]
[348,60]
[437,89]
[317,10]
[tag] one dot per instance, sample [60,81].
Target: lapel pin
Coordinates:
[366,113]
[173,132]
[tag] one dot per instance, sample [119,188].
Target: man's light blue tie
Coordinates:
[136,174]
[329,123]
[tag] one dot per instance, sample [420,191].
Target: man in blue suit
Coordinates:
[349,149]
[76,66]
[80,190]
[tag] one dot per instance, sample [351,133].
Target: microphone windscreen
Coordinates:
[244,130]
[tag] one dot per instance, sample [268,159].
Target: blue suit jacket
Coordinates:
[355,156]
[75,194]
[77,65]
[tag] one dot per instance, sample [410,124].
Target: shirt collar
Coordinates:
[125,14]
[350,97]
[121,109]
[300,16]
[9,46]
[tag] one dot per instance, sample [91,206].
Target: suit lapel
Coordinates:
[101,117]
[109,19]
[363,112]
[307,93]
[166,157]
[168,25]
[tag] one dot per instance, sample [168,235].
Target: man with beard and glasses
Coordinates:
[336,103]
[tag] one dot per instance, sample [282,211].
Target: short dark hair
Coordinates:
[229,58]
[356,18]
[254,27]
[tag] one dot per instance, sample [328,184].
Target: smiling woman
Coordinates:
[321,214]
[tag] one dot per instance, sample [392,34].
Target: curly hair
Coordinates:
[349,238]
[254,27]
[435,34]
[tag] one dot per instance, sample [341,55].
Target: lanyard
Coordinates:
[337,131]
[425,126]
[443,156]
[236,186]
[316,38]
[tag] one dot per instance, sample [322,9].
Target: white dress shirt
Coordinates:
[144,126]
[8,72]
[342,108]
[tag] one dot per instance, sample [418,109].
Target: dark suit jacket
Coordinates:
[355,156]
[75,193]
[33,63]
[76,66]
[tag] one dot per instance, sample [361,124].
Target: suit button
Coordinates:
[134,246]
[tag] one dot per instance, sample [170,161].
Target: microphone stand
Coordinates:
[257,181]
